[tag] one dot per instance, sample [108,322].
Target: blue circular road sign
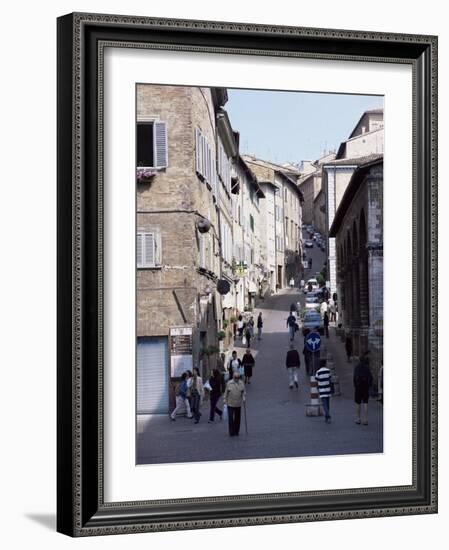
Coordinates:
[313,341]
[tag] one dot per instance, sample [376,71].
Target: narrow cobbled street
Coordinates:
[276,415]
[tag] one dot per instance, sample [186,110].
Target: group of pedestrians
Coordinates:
[316,366]
[227,384]
[245,329]
[230,381]
[189,394]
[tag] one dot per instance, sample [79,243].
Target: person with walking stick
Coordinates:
[234,397]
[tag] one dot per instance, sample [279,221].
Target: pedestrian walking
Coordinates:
[292,282]
[308,355]
[323,378]
[332,310]
[348,347]
[291,325]
[248,335]
[189,395]
[181,398]
[234,397]
[248,363]
[251,326]
[292,362]
[259,326]
[196,393]
[235,364]
[240,325]
[323,308]
[221,363]
[326,324]
[363,380]
[216,383]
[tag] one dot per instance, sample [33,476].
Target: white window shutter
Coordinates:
[158,249]
[197,150]
[207,163]
[139,250]
[160,144]
[203,149]
[201,246]
[214,177]
[149,250]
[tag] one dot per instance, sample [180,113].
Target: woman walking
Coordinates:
[248,363]
[251,326]
[259,326]
[217,384]
[240,326]
[181,398]
[196,393]
[248,335]
[348,348]
[326,324]
[362,381]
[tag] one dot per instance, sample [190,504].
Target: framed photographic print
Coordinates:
[247,282]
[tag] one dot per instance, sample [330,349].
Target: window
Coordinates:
[148,249]
[251,222]
[224,167]
[152,148]
[205,164]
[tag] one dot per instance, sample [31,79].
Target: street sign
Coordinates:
[313,341]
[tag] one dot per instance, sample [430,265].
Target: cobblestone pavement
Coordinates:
[276,415]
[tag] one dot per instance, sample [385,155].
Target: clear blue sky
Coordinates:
[294,126]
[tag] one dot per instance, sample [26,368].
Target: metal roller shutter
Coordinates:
[152,375]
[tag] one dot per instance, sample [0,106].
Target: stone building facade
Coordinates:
[283,195]
[358,232]
[177,197]
[365,143]
[310,186]
[209,239]
[247,197]
[319,213]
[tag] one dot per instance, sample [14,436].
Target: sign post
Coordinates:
[313,344]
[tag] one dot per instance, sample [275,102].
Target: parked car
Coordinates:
[308,243]
[312,301]
[312,320]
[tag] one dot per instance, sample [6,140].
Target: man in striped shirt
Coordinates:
[323,378]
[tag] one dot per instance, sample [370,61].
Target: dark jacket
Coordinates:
[259,322]
[362,376]
[248,359]
[291,321]
[217,385]
[292,359]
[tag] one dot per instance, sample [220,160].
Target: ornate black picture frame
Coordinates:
[81,510]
